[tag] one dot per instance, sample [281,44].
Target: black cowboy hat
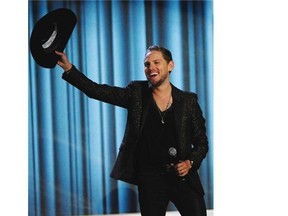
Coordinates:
[51,33]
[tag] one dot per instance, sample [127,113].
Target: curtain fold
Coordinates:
[73,140]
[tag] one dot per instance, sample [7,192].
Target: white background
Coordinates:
[250,108]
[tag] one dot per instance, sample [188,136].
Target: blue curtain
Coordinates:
[73,140]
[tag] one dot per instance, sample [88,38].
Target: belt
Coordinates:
[168,168]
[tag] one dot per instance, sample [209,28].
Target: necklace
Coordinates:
[162,114]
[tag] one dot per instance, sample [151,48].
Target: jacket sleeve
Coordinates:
[199,138]
[109,94]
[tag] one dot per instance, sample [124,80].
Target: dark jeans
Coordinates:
[157,189]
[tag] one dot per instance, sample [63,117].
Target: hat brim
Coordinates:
[51,33]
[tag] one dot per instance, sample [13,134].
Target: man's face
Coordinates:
[156,68]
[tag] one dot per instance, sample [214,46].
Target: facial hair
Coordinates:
[159,82]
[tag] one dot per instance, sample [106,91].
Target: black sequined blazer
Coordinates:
[190,124]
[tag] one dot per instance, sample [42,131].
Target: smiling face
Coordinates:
[157,69]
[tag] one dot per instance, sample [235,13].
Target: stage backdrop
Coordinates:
[74,140]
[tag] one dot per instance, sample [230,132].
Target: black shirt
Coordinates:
[156,139]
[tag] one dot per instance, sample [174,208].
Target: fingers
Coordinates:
[182,168]
[63,61]
[59,53]
[62,55]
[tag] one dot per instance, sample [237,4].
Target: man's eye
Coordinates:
[146,64]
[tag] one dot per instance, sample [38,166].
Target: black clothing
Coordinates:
[156,190]
[190,135]
[156,139]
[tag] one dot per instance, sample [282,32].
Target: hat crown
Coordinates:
[51,33]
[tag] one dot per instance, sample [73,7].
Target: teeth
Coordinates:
[153,74]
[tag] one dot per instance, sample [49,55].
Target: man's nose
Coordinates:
[151,66]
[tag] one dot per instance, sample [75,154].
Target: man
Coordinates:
[165,137]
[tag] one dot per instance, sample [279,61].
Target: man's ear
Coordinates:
[170,66]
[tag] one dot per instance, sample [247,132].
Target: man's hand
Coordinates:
[183,167]
[63,61]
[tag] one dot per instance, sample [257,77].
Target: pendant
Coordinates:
[162,121]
